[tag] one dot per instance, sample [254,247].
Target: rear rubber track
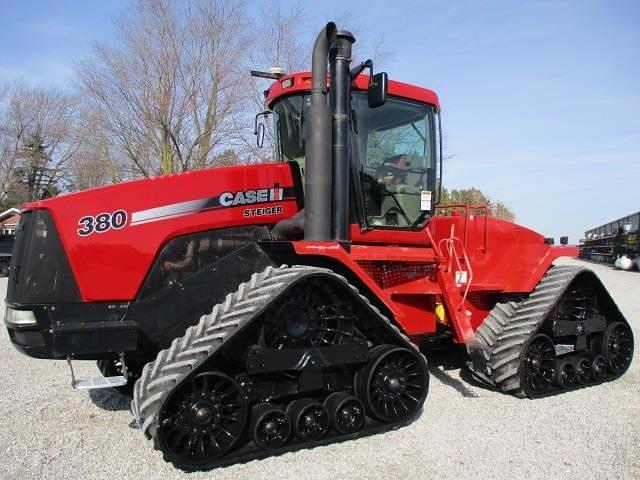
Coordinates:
[202,340]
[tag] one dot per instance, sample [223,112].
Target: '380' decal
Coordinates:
[102,222]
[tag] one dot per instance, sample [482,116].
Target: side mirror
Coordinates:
[377,91]
[564,240]
[258,128]
[260,135]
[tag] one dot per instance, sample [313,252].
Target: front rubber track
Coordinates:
[204,339]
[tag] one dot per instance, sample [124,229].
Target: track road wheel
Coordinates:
[598,368]
[537,366]
[309,419]
[565,374]
[270,426]
[202,420]
[394,384]
[583,369]
[346,412]
[617,347]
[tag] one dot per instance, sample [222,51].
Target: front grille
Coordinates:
[40,271]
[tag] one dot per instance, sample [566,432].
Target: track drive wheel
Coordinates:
[394,384]
[537,365]
[565,374]
[346,412]
[312,314]
[202,420]
[617,346]
[309,419]
[270,426]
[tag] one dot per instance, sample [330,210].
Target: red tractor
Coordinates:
[259,309]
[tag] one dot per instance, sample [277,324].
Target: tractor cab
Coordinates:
[393,152]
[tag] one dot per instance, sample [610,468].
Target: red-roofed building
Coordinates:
[9,220]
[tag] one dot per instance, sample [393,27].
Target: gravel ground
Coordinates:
[50,431]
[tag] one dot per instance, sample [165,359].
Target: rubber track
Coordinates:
[202,340]
[509,326]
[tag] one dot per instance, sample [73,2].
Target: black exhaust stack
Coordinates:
[318,171]
[339,100]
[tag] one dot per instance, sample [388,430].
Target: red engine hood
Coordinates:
[110,255]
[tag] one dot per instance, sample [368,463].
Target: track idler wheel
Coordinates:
[537,367]
[394,384]
[202,420]
[617,346]
[309,419]
[565,374]
[598,368]
[583,369]
[270,426]
[346,412]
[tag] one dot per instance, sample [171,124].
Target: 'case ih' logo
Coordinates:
[248,197]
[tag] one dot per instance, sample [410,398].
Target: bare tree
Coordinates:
[8,145]
[280,39]
[168,91]
[95,162]
[36,142]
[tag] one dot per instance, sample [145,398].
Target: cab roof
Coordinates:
[301,82]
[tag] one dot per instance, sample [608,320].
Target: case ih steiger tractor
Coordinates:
[265,308]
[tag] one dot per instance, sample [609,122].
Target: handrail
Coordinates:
[467,215]
[453,254]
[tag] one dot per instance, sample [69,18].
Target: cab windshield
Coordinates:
[394,150]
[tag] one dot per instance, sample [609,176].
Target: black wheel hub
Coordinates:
[583,370]
[538,363]
[313,423]
[565,373]
[598,367]
[346,412]
[394,383]
[271,428]
[618,347]
[202,419]
[350,417]
[578,304]
[205,413]
[312,314]
[297,320]
[310,419]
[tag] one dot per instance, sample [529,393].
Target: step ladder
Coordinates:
[98,382]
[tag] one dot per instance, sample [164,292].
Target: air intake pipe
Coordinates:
[318,163]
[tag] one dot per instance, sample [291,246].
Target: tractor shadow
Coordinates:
[110,399]
[445,365]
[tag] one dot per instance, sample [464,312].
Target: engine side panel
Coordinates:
[112,234]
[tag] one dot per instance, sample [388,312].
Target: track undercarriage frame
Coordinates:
[300,389]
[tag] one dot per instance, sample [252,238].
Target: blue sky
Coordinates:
[541,100]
